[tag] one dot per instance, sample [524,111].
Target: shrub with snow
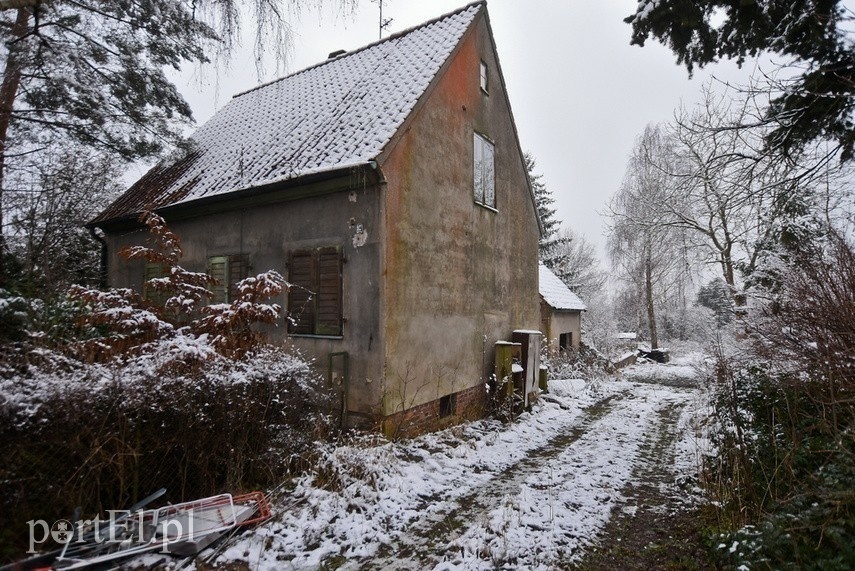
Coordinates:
[109,397]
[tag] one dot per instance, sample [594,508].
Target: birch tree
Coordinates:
[649,254]
[739,203]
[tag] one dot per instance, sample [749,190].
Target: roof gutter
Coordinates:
[314,184]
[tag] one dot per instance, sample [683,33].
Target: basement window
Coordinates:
[447,404]
[484,173]
[484,80]
[315,295]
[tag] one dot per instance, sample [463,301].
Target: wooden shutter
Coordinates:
[154,270]
[218,267]
[301,294]
[238,271]
[329,292]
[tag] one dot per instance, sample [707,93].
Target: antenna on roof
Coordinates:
[384,24]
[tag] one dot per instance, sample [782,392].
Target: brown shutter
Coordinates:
[329,292]
[301,294]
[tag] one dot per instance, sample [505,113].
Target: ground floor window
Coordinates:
[315,295]
[565,341]
[154,270]
[227,271]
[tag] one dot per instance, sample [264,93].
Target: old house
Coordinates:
[388,186]
[560,312]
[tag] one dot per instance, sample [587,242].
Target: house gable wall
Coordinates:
[459,276]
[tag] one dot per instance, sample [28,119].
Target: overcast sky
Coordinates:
[579,92]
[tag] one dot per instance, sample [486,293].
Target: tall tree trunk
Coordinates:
[648,295]
[8,93]
[730,278]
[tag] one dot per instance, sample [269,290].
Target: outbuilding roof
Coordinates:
[556,293]
[337,114]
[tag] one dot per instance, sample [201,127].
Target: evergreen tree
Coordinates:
[816,37]
[550,247]
[716,296]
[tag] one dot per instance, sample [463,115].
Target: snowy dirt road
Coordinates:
[544,492]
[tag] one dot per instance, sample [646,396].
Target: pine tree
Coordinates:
[550,251]
[716,296]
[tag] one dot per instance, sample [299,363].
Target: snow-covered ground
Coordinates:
[532,494]
[682,370]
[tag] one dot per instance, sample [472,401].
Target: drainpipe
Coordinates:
[381,178]
[102,271]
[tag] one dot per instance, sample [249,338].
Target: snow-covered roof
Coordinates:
[556,293]
[337,114]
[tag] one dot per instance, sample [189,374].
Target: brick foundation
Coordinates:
[469,404]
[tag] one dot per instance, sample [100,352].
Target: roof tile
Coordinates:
[339,113]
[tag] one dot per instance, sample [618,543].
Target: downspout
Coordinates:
[102,270]
[383,314]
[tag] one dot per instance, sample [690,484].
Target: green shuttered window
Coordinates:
[228,271]
[155,270]
[315,296]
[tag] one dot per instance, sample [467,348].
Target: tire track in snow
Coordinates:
[558,513]
[647,531]
[421,546]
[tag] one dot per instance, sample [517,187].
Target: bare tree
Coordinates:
[579,264]
[738,203]
[51,198]
[648,254]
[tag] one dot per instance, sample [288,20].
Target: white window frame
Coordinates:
[484,171]
[484,78]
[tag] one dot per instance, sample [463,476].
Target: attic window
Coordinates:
[484,77]
[484,177]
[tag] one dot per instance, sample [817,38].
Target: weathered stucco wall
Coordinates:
[267,234]
[561,322]
[459,276]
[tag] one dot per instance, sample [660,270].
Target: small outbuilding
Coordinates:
[560,312]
